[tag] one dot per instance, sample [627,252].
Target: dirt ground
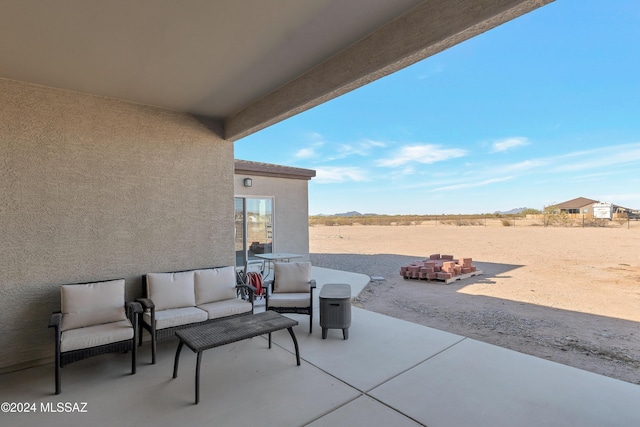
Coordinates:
[571,295]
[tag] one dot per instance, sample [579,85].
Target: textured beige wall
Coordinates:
[291,206]
[94,188]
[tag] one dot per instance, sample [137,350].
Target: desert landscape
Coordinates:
[570,295]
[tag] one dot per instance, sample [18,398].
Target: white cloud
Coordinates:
[327,150]
[601,157]
[524,165]
[425,153]
[602,160]
[306,153]
[362,148]
[337,174]
[372,143]
[472,184]
[509,143]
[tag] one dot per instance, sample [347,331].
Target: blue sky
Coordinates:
[538,111]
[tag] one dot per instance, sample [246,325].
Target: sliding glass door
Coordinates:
[254,227]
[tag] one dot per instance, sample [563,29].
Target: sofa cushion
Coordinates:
[215,284]
[225,308]
[171,290]
[292,277]
[293,299]
[93,336]
[92,304]
[176,317]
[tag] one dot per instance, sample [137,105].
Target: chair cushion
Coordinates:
[294,299]
[215,284]
[92,304]
[292,277]
[176,317]
[171,290]
[93,336]
[225,308]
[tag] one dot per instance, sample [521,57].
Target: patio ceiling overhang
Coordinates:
[248,63]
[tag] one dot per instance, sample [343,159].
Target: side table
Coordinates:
[335,308]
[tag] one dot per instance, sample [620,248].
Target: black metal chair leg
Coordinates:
[198,377]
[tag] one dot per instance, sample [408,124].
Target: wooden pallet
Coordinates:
[453,279]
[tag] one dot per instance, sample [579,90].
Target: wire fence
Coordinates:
[488,220]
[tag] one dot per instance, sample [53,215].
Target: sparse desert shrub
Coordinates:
[506,222]
[596,222]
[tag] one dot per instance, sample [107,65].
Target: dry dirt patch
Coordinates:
[571,295]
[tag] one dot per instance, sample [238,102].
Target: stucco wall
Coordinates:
[291,210]
[93,188]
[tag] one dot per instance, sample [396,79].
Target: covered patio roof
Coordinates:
[247,63]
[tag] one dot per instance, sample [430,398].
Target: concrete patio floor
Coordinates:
[388,373]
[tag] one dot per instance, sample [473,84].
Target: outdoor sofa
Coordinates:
[176,300]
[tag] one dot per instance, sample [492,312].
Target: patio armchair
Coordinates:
[94,320]
[291,290]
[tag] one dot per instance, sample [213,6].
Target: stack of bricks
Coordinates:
[437,267]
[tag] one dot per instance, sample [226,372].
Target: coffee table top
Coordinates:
[227,331]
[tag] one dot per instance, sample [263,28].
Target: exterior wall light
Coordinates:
[248,182]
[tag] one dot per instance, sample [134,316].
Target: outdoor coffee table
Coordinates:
[203,337]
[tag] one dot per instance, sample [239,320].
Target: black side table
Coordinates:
[335,308]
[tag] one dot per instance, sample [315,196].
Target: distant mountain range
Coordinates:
[355,213]
[352,213]
[512,211]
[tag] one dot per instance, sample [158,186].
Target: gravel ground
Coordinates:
[508,305]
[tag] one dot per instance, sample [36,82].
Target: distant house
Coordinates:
[584,206]
[581,205]
[271,209]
